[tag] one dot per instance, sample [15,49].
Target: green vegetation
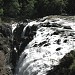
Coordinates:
[71,7]
[1,9]
[5,49]
[35,8]
[11,8]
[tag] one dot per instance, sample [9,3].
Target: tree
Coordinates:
[41,7]
[36,8]
[71,7]
[11,8]
[57,7]
[27,8]
[1,9]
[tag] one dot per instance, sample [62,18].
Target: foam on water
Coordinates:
[44,51]
[14,26]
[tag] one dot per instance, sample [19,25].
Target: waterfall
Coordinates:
[49,45]
[14,26]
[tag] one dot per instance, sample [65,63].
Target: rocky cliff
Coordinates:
[5,49]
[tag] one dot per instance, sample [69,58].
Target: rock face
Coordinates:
[5,49]
[66,65]
[22,35]
[41,44]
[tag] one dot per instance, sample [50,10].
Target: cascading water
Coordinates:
[54,38]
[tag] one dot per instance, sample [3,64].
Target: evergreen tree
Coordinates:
[27,8]
[11,8]
[1,8]
[41,7]
[71,7]
[35,8]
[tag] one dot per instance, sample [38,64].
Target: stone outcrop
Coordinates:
[66,65]
[20,38]
[5,49]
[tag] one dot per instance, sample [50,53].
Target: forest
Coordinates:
[24,9]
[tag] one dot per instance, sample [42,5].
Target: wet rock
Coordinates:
[58,49]
[35,45]
[42,43]
[24,44]
[65,41]
[67,27]
[34,27]
[17,39]
[56,32]
[47,44]
[27,31]
[58,41]
[18,31]
[30,30]
[46,24]
[56,25]
[71,34]
[23,34]
[64,66]
[28,36]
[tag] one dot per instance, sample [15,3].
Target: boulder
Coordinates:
[67,27]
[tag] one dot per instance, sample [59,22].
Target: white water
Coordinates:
[14,26]
[42,56]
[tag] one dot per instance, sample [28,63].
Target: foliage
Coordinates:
[27,8]
[71,7]
[11,8]
[36,8]
[1,12]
